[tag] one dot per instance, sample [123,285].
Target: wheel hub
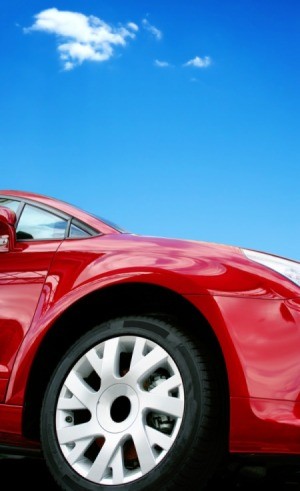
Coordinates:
[117,408]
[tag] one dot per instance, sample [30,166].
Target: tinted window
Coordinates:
[36,223]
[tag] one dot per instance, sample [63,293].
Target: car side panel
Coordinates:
[264,426]
[22,275]
[260,340]
[11,429]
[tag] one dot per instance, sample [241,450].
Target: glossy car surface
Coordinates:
[131,362]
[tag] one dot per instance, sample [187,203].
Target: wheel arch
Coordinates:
[97,307]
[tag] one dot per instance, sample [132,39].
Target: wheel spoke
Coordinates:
[69,404]
[94,360]
[103,460]
[158,438]
[146,365]
[117,465]
[110,361]
[143,448]
[70,434]
[138,351]
[162,404]
[78,451]
[165,386]
[80,389]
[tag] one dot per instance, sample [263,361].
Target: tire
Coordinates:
[134,405]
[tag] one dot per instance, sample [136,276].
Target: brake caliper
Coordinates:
[159,421]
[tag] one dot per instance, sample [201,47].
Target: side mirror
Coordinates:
[7,229]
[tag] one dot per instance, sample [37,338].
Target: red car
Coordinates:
[140,363]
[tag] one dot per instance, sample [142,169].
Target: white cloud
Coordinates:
[152,29]
[132,26]
[68,66]
[199,62]
[161,64]
[82,37]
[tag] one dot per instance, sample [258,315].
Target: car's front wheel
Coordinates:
[134,405]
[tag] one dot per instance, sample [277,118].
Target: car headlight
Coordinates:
[286,267]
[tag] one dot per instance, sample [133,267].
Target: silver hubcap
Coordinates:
[120,410]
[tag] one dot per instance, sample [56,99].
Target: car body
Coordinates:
[129,361]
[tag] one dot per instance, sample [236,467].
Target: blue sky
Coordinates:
[171,118]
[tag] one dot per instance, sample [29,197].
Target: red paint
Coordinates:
[253,312]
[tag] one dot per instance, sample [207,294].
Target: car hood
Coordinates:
[195,266]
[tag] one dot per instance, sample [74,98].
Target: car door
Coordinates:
[23,271]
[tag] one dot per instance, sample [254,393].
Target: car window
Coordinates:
[10,203]
[36,223]
[77,232]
